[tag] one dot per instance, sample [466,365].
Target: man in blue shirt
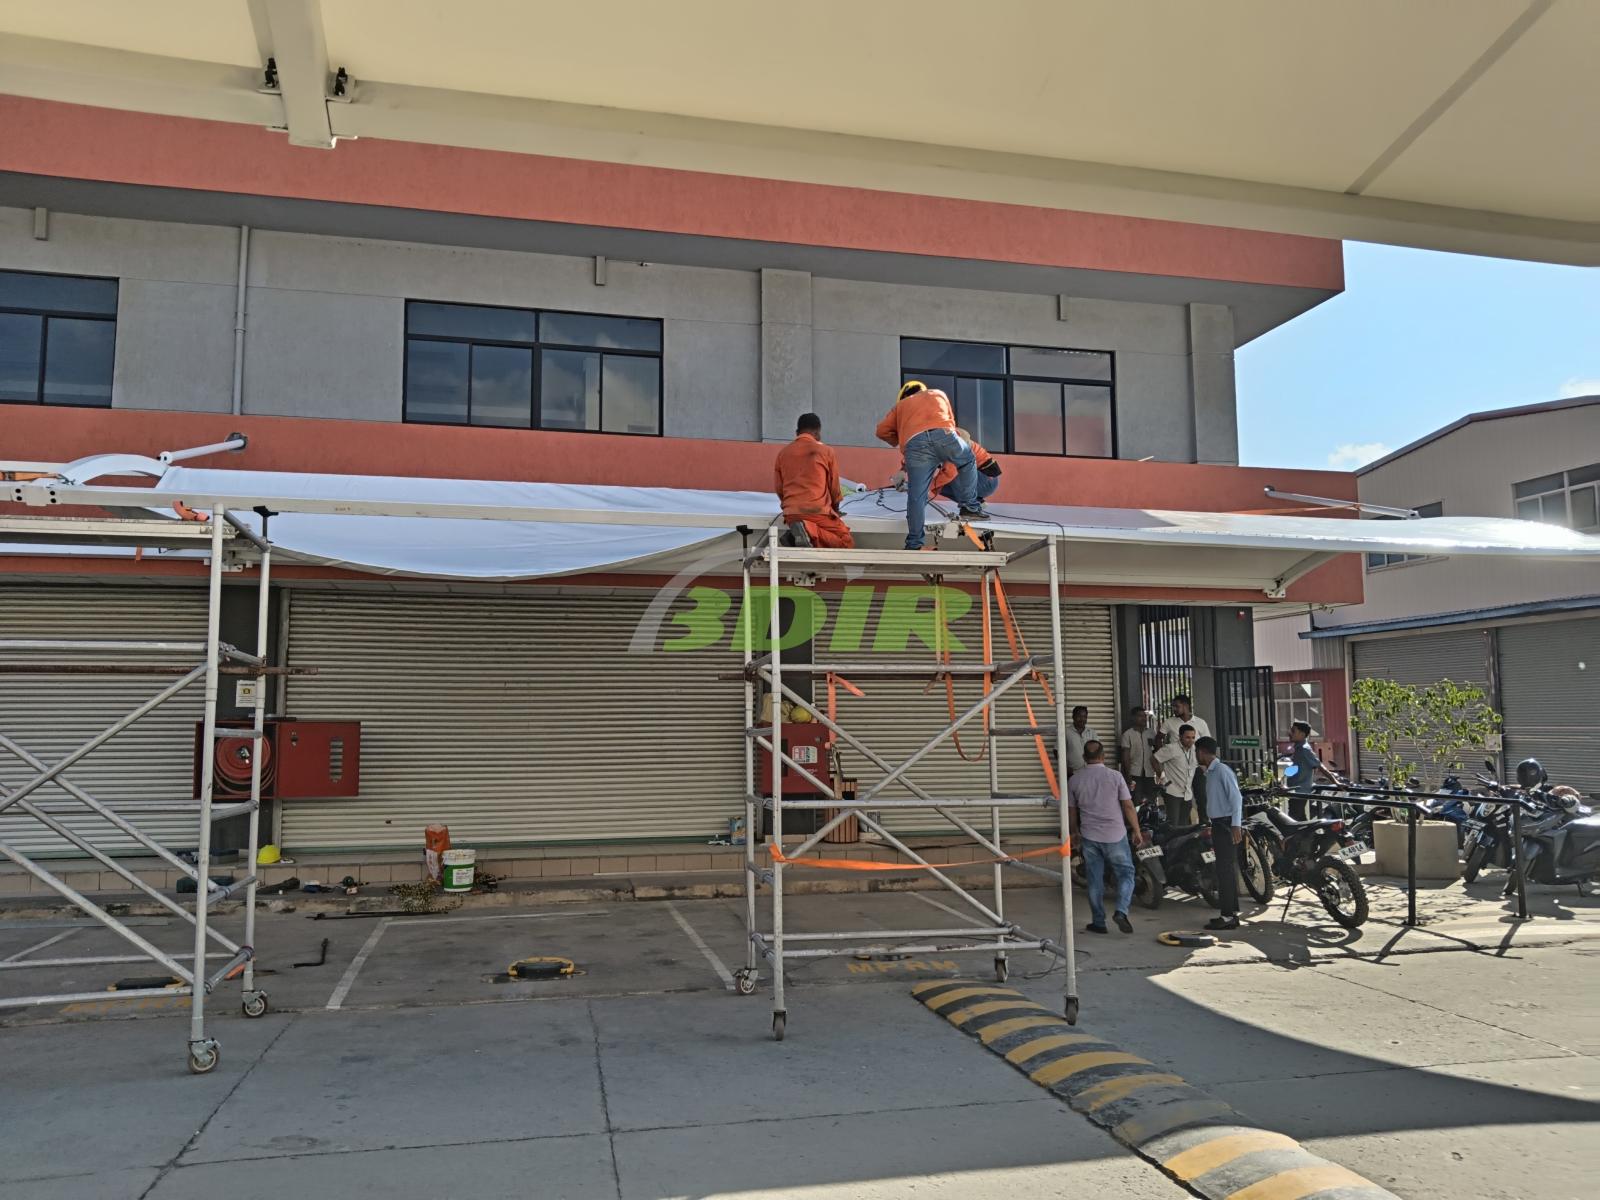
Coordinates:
[1304,767]
[1225,811]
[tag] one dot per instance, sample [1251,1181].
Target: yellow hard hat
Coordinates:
[268,855]
[910,388]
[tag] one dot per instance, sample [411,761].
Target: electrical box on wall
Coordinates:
[807,744]
[300,759]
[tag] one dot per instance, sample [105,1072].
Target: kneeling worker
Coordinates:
[924,428]
[806,478]
[944,478]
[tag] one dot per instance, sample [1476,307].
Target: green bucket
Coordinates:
[458,868]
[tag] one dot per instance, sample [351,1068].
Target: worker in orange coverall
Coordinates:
[806,478]
[924,428]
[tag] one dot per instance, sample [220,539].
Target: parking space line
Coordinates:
[717,964]
[356,963]
[50,941]
[954,912]
[532,916]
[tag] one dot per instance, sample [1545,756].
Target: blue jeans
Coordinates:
[1095,857]
[986,487]
[923,454]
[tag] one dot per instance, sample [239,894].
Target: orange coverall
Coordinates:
[806,479]
[916,414]
[947,471]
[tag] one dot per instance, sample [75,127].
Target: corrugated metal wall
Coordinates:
[50,715]
[1552,705]
[527,719]
[1460,655]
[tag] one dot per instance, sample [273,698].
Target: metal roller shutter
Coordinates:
[513,719]
[1460,655]
[898,716]
[1551,703]
[50,715]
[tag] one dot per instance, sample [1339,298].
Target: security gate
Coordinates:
[1246,728]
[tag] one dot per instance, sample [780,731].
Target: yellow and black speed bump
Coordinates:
[1196,1139]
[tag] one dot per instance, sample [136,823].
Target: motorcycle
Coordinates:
[1561,842]
[1149,879]
[1318,854]
[1189,859]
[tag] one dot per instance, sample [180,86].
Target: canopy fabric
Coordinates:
[372,524]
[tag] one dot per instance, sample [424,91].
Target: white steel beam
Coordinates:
[301,52]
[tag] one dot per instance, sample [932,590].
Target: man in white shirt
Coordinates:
[1182,714]
[1175,767]
[1138,755]
[1077,734]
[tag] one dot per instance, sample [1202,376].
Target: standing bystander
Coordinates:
[1102,822]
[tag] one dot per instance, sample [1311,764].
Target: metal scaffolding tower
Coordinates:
[995,934]
[227,542]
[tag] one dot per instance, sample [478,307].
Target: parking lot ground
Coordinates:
[1460,1060]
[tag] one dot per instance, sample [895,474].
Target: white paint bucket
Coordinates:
[459,868]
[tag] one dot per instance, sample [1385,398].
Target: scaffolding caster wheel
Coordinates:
[744,981]
[1072,1010]
[204,1057]
[1002,970]
[255,1004]
[778,1023]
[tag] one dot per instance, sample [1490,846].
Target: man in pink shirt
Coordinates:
[1102,822]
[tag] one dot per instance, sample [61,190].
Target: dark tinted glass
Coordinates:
[1584,474]
[1088,420]
[941,383]
[502,386]
[58,293]
[569,389]
[78,360]
[602,333]
[1061,364]
[919,354]
[1547,483]
[470,321]
[1036,417]
[631,394]
[1436,509]
[1585,508]
[20,339]
[436,382]
[981,411]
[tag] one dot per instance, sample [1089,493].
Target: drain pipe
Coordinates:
[238,320]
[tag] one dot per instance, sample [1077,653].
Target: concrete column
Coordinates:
[1130,681]
[1216,421]
[786,375]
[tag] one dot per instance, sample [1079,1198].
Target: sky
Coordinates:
[1417,339]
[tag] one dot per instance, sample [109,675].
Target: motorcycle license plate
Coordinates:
[1208,856]
[1359,853]
[1355,849]
[1150,852]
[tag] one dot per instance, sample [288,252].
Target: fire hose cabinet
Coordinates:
[300,759]
[807,744]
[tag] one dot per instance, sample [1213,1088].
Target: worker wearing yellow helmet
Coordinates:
[922,424]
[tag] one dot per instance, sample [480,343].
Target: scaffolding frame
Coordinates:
[228,542]
[996,934]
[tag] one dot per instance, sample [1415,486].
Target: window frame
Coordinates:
[536,347]
[46,315]
[1009,378]
[1291,708]
[1403,560]
[1564,489]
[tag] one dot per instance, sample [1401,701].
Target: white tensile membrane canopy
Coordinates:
[503,531]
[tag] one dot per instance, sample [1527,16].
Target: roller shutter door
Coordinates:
[50,715]
[1552,707]
[1459,655]
[898,716]
[513,719]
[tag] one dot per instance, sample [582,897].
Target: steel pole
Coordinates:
[775,629]
[1411,865]
[197,1010]
[751,833]
[259,724]
[1069,934]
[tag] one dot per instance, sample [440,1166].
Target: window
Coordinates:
[1298,702]
[58,336]
[1570,498]
[513,368]
[1375,561]
[1019,399]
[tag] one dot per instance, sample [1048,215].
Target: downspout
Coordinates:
[238,321]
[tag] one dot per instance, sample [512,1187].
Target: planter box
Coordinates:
[1437,856]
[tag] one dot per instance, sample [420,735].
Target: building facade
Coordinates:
[401,309]
[1529,634]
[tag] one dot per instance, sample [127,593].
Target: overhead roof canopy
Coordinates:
[1463,126]
[490,530]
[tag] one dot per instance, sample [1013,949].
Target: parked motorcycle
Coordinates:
[1149,879]
[1560,837]
[1189,859]
[1318,854]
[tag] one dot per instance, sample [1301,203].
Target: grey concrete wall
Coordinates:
[744,352]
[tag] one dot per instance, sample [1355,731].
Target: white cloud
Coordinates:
[1580,387]
[1350,455]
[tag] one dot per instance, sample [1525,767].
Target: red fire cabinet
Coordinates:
[807,744]
[300,759]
